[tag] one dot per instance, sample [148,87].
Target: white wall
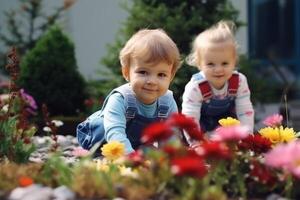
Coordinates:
[242,34]
[93,24]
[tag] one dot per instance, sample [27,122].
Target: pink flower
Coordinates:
[230,133]
[29,100]
[80,152]
[273,120]
[286,157]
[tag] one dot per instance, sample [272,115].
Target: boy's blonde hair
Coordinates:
[150,46]
[222,32]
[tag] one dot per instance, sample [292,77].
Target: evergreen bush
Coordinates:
[49,73]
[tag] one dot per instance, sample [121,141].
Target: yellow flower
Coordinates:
[113,150]
[229,121]
[278,135]
[102,166]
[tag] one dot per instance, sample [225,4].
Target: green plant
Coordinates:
[49,72]
[263,90]
[15,131]
[55,172]
[182,20]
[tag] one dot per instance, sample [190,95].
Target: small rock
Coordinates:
[63,193]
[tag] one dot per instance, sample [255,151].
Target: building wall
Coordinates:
[93,24]
[242,35]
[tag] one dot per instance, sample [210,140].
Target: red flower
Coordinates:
[195,133]
[136,158]
[261,173]
[27,140]
[25,181]
[181,121]
[188,124]
[170,150]
[89,102]
[189,166]
[214,149]
[156,132]
[256,143]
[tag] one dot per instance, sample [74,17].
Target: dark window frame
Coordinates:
[294,60]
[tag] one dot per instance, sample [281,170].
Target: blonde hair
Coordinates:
[221,32]
[150,46]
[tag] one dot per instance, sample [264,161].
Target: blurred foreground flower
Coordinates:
[285,157]
[25,181]
[229,121]
[80,152]
[255,143]
[113,150]
[278,134]
[189,165]
[230,133]
[156,132]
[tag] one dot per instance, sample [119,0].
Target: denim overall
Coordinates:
[91,131]
[214,109]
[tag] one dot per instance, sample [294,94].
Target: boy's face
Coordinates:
[148,82]
[218,63]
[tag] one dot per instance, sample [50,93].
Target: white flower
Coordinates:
[47,129]
[5,108]
[57,123]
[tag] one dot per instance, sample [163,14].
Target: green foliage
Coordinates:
[15,129]
[55,172]
[49,73]
[13,141]
[262,85]
[182,20]
[25,25]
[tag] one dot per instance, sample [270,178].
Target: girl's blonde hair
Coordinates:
[150,46]
[221,32]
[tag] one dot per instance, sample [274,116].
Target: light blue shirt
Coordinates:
[115,120]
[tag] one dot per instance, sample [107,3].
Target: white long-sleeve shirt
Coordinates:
[192,100]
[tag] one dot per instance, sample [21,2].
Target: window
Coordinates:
[272,28]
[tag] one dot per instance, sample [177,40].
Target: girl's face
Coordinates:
[217,63]
[149,82]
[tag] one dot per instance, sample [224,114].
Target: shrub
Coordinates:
[49,73]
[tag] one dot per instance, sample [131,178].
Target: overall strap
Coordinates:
[205,90]
[233,84]
[163,105]
[130,100]
[203,85]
